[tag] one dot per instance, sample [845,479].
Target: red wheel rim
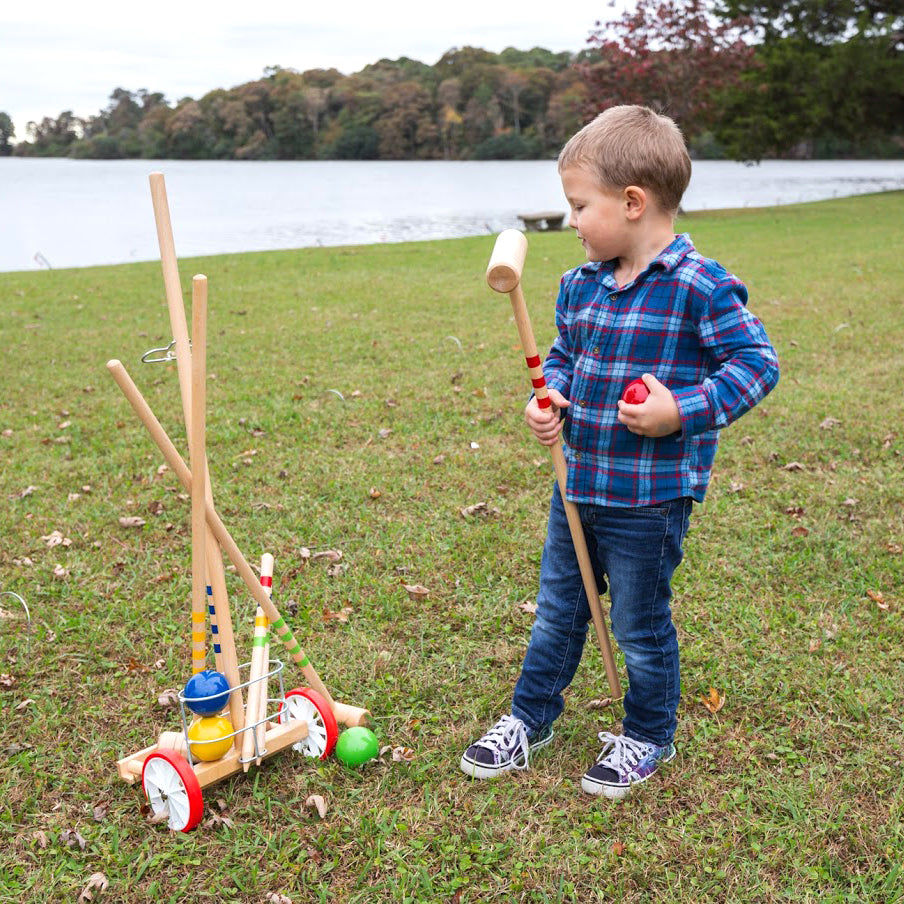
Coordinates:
[323,730]
[171,786]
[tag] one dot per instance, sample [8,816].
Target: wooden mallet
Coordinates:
[504,275]
[220,616]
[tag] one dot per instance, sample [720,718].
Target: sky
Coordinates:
[57,56]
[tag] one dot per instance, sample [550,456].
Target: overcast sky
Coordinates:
[57,56]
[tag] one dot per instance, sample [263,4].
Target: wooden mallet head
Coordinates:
[507,261]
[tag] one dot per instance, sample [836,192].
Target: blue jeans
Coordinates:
[637,551]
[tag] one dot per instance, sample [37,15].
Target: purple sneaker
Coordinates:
[507,745]
[623,762]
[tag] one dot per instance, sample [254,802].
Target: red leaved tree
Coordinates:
[671,55]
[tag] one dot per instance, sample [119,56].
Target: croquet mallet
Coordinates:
[504,276]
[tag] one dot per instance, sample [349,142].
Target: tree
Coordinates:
[669,55]
[7,130]
[822,21]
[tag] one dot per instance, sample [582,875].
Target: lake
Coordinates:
[77,213]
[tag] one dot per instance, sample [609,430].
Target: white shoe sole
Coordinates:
[477,770]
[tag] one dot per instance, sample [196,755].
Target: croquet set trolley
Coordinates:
[239,714]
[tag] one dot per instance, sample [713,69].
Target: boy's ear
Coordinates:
[635,201]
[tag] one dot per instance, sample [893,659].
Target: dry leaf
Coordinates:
[97,882]
[416,591]
[60,572]
[600,703]
[402,754]
[528,607]
[40,838]
[333,555]
[713,701]
[169,697]
[100,811]
[800,531]
[814,645]
[316,802]
[793,466]
[894,548]
[23,493]
[877,597]
[375,493]
[479,508]
[132,521]
[619,848]
[384,432]
[439,459]
[828,423]
[274,898]
[340,616]
[56,539]
[71,838]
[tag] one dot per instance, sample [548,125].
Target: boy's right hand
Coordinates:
[545,422]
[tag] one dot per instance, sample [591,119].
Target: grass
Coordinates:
[359,398]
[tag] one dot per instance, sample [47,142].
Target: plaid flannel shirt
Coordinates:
[685,320]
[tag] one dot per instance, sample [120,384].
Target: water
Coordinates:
[77,213]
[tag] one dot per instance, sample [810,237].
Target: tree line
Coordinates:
[744,79]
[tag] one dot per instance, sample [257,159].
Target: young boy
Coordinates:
[645,305]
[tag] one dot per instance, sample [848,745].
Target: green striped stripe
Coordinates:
[280,625]
[259,642]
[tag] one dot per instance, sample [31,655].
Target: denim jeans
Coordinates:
[637,551]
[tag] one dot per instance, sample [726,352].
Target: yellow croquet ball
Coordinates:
[211,737]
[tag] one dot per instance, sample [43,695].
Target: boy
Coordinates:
[645,305]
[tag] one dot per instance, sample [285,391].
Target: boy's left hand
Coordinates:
[658,415]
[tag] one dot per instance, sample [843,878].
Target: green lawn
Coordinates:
[359,399]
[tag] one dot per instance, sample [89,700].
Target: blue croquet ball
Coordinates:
[206,693]
[356,746]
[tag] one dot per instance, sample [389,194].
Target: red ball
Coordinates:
[635,393]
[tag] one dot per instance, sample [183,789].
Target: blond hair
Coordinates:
[633,145]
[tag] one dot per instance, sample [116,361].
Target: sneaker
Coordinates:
[623,762]
[507,745]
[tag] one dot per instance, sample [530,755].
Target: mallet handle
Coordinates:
[504,275]
[198,453]
[178,466]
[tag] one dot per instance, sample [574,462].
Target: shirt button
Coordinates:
[596,349]
[577,456]
[613,296]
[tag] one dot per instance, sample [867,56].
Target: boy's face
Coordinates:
[597,214]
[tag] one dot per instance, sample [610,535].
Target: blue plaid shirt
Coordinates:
[684,320]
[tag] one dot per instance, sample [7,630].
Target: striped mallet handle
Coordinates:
[198,450]
[504,275]
[220,616]
[267,584]
[180,469]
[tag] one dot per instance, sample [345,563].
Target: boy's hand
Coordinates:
[657,416]
[545,422]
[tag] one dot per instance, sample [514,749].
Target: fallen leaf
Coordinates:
[600,703]
[23,493]
[478,508]
[416,591]
[7,680]
[528,607]
[340,616]
[619,848]
[384,432]
[334,555]
[800,531]
[894,548]
[316,802]
[100,811]
[55,538]
[828,423]
[97,883]
[169,697]
[713,701]
[60,572]
[72,838]
[274,898]
[132,521]
[814,645]
[439,459]
[402,754]
[375,493]
[41,839]
[877,597]
[793,466]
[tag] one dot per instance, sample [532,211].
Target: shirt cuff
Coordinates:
[695,410]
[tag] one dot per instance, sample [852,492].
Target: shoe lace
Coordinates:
[508,735]
[621,753]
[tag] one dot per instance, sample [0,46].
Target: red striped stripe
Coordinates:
[266,581]
[538,382]
[533,362]
[544,402]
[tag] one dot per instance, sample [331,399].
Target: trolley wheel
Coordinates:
[172,789]
[304,703]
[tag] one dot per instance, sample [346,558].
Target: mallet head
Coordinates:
[507,261]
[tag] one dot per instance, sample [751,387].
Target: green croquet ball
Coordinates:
[357,745]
